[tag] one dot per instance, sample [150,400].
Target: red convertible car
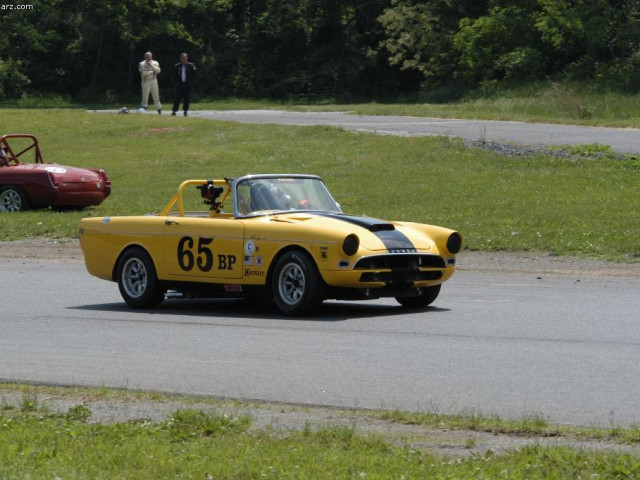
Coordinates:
[39,184]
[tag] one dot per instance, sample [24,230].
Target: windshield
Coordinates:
[267,194]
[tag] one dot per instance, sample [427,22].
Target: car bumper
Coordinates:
[392,272]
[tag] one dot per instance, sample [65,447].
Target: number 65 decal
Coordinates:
[202,256]
[186,257]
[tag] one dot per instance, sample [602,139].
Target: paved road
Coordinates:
[564,346]
[620,139]
[626,140]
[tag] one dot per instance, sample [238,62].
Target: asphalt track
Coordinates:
[564,347]
[626,140]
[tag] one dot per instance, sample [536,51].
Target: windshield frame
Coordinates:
[239,211]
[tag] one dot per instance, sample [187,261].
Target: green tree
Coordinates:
[89,49]
[12,81]
[503,44]
[419,35]
[593,37]
[274,49]
[344,47]
[413,40]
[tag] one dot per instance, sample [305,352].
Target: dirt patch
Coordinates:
[162,130]
[282,418]
[68,251]
[541,264]
[59,251]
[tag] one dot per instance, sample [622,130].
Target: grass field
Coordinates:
[579,206]
[546,102]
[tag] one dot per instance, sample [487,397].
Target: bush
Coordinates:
[12,80]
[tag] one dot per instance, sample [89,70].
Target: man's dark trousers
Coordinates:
[183,92]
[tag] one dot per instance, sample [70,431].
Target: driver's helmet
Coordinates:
[283,201]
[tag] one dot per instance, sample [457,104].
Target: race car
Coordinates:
[285,239]
[39,184]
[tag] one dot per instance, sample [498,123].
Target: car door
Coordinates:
[206,249]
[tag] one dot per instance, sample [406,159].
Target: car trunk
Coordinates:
[78,186]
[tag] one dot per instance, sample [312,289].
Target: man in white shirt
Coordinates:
[149,70]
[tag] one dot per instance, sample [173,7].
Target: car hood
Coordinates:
[374,234]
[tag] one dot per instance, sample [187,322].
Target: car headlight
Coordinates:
[454,243]
[351,244]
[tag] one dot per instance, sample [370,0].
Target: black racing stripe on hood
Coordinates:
[371,224]
[385,231]
[395,240]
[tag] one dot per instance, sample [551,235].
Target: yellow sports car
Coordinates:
[286,238]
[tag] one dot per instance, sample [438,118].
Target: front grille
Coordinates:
[393,262]
[396,270]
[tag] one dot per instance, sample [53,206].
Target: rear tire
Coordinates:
[138,281]
[13,199]
[296,285]
[427,297]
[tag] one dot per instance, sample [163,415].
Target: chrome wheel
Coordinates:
[10,200]
[138,281]
[296,284]
[291,283]
[134,277]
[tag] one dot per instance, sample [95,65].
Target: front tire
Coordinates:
[296,284]
[138,281]
[13,199]
[427,296]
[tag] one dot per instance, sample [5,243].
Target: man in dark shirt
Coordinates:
[185,74]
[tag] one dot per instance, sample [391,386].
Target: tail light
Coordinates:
[107,182]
